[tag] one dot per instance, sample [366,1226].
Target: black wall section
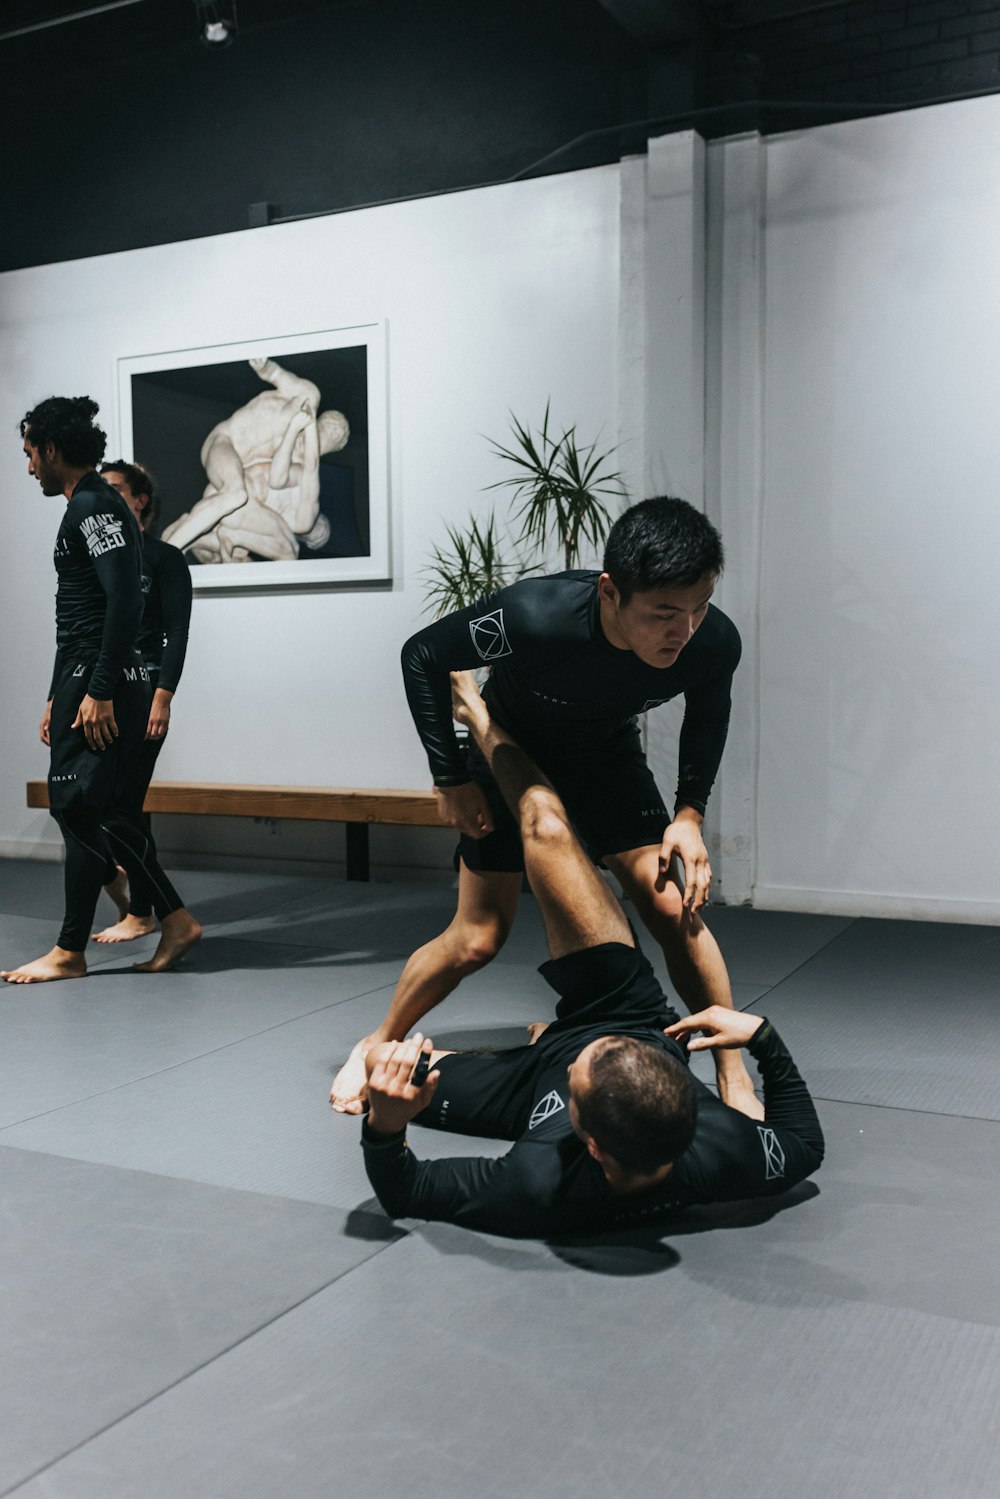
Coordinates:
[122,129]
[127,131]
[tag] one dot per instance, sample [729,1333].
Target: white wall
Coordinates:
[495,300]
[842,365]
[879,606]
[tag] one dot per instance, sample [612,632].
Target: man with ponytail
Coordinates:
[99,699]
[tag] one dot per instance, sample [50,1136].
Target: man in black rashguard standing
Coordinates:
[162,644]
[609,1127]
[574,659]
[99,697]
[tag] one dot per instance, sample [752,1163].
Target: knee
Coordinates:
[477,944]
[664,907]
[543,818]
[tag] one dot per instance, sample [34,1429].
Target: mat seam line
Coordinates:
[186,1061]
[183,1378]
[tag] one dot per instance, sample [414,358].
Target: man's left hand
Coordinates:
[96,717]
[159,715]
[392,1099]
[683,840]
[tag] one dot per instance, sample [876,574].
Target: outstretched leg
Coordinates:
[578,909]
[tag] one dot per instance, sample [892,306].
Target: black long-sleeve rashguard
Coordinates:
[166,614]
[560,688]
[548,1184]
[98,556]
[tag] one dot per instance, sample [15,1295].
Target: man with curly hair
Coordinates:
[99,698]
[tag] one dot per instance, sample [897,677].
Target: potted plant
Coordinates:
[559,488]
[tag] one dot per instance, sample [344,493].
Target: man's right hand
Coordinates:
[96,717]
[719,1026]
[393,1100]
[43,727]
[465,808]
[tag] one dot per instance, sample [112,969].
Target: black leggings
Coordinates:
[97,840]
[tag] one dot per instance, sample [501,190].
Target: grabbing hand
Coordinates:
[719,1027]
[96,717]
[465,808]
[44,726]
[393,1100]
[683,840]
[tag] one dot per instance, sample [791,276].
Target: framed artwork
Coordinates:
[270,455]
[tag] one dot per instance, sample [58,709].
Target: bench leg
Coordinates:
[357,850]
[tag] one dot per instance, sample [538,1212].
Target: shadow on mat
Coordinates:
[238,955]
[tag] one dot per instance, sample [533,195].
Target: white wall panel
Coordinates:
[495,300]
[880,611]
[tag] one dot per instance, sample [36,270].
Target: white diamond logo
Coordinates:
[545,1108]
[774,1156]
[489,636]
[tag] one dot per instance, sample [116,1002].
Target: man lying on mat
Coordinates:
[608,1123]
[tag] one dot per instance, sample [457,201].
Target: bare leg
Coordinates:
[117,891]
[180,933]
[60,963]
[695,964]
[487,904]
[577,907]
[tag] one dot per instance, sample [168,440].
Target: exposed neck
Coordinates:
[71,478]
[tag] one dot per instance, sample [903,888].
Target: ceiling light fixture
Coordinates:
[217,22]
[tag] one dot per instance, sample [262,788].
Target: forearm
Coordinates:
[788,1105]
[427,659]
[175,610]
[409,1188]
[702,741]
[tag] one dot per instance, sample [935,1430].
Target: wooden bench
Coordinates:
[356,808]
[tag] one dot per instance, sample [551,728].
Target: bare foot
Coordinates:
[349,1092]
[180,933]
[127,929]
[536,1028]
[737,1091]
[60,963]
[118,891]
[467,706]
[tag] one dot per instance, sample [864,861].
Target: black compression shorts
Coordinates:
[606,990]
[613,803]
[86,777]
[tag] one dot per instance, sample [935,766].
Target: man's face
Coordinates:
[655,625]
[42,465]
[135,502]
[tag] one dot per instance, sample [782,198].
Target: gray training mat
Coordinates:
[115,1285]
[456,1365]
[201,1298]
[905,1014]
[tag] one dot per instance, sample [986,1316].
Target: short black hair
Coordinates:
[68,423]
[640,1106]
[139,481]
[661,543]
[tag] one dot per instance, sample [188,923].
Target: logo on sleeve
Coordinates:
[102,533]
[774,1156]
[545,1108]
[489,636]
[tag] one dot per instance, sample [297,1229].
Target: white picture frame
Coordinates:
[169,401]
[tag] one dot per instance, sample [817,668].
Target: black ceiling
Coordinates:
[121,129]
